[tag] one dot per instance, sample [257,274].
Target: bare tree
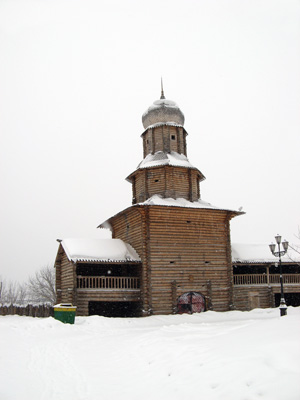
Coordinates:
[2,290]
[295,248]
[22,293]
[12,292]
[41,287]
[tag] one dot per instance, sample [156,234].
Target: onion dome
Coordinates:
[163,111]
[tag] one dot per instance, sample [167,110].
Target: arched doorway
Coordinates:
[190,302]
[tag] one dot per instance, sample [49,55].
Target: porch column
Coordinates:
[268,274]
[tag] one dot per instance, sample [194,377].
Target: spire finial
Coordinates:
[162,89]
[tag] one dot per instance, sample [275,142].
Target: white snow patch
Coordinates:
[99,250]
[161,103]
[180,202]
[258,252]
[169,123]
[161,158]
[214,356]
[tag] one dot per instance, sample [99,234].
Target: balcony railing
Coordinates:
[108,282]
[264,279]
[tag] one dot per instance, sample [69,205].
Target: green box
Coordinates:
[65,313]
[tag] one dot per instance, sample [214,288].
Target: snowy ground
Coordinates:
[229,356]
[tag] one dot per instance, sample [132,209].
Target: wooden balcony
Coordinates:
[266,279]
[108,283]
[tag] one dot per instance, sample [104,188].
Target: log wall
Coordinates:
[166,181]
[164,138]
[57,266]
[85,296]
[182,250]
[66,291]
[247,298]
[191,247]
[130,226]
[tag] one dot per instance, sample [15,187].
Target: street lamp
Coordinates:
[279,253]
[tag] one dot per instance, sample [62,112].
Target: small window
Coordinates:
[156,180]
[173,137]
[188,222]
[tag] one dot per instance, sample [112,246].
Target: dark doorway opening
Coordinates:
[191,302]
[291,299]
[119,309]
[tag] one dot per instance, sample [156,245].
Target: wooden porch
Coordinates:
[262,290]
[119,283]
[265,279]
[108,295]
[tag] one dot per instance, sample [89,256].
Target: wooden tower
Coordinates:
[183,242]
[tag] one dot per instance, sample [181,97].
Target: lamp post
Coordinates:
[279,253]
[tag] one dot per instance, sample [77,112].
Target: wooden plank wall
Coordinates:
[68,280]
[84,296]
[139,186]
[131,228]
[167,181]
[156,181]
[158,140]
[189,246]
[178,182]
[57,266]
[247,298]
[164,138]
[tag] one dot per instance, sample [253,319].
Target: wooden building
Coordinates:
[256,277]
[99,277]
[179,246]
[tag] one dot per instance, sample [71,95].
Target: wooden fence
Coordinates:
[40,311]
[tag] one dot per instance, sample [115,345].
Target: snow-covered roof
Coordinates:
[157,200]
[259,253]
[161,158]
[169,123]
[163,110]
[157,104]
[108,250]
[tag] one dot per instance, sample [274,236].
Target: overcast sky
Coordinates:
[75,79]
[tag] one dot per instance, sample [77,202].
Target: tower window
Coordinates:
[156,180]
[173,137]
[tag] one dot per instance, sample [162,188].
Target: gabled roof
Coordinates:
[259,253]
[106,250]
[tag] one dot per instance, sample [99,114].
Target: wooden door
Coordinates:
[190,302]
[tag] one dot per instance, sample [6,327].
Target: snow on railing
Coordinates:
[264,279]
[108,282]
